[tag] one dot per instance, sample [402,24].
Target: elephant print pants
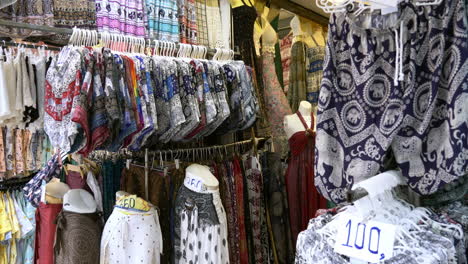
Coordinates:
[394,83]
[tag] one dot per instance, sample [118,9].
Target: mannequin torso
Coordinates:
[198,176]
[55,191]
[293,124]
[301,33]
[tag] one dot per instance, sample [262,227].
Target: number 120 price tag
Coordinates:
[370,241]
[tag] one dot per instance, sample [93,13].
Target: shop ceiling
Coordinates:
[305,8]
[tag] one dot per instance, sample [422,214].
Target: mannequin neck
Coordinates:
[199,178]
[305,108]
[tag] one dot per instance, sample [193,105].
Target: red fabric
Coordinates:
[303,198]
[45,233]
[239,180]
[75,181]
[132,89]
[54,106]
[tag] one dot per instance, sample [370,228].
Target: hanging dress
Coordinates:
[297,90]
[276,103]
[303,198]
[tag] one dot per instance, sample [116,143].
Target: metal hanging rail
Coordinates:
[29,46]
[69,31]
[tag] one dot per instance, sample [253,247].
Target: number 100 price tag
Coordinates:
[370,241]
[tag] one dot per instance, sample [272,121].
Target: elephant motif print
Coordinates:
[423,102]
[361,169]
[438,141]
[391,116]
[459,114]
[353,116]
[324,95]
[329,152]
[345,80]
[409,150]
[378,90]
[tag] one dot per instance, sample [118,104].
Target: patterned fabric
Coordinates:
[277,205]
[297,90]
[36,12]
[285,46]
[2,155]
[215,30]
[276,104]
[32,189]
[62,89]
[78,238]
[218,90]
[122,17]
[177,117]
[314,64]
[188,21]
[167,27]
[152,15]
[80,13]
[239,185]
[313,248]
[131,237]
[202,24]
[368,107]
[256,205]
[200,228]
[188,100]
[228,195]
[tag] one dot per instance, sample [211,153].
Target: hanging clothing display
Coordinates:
[38,13]
[303,198]
[285,47]
[431,243]
[200,227]
[297,89]
[398,95]
[17,229]
[78,238]
[276,103]
[314,73]
[258,227]
[22,152]
[131,236]
[45,232]
[154,92]
[122,17]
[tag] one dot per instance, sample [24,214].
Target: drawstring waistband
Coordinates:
[399,76]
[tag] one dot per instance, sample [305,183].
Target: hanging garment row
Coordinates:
[184,21]
[17,216]
[24,148]
[120,99]
[223,219]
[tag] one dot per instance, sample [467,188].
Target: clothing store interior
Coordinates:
[233,131]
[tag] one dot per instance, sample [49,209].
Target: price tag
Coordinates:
[194,183]
[369,241]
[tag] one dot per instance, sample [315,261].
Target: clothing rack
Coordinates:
[69,31]
[126,154]
[29,46]
[14,183]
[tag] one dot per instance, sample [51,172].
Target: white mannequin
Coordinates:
[195,173]
[292,123]
[120,194]
[55,190]
[79,201]
[269,36]
[300,31]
